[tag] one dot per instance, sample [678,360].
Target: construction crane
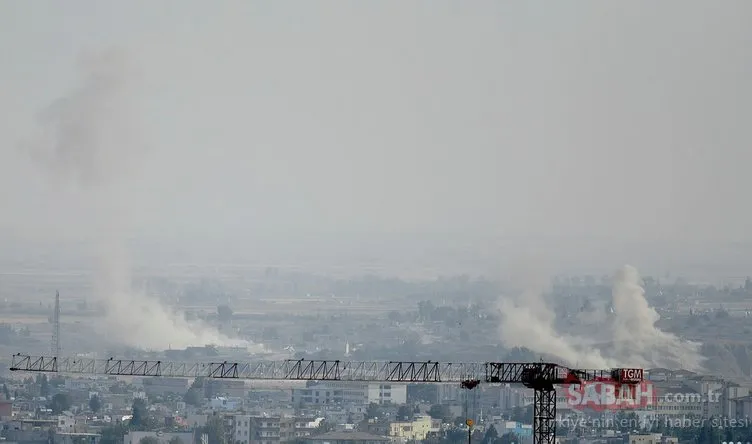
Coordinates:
[542,377]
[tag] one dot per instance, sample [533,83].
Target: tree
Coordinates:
[113,434]
[394,316]
[175,440]
[215,429]
[119,388]
[508,438]
[60,403]
[148,440]
[421,393]
[192,397]
[44,386]
[138,410]
[404,413]
[442,412]
[372,411]
[95,403]
[491,436]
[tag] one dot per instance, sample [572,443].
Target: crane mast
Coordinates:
[542,377]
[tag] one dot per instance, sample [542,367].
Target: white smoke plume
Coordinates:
[635,337]
[88,140]
[528,321]
[628,338]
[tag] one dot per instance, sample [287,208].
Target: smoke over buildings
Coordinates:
[88,141]
[628,337]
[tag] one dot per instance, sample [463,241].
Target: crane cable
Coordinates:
[471,406]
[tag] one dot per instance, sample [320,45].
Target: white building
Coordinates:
[225,404]
[66,422]
[336,392]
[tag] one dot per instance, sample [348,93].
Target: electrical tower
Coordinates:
[55,343]
[540,376]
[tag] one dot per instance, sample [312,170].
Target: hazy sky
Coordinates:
[615,119]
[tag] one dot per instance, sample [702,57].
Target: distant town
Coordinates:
[364,319]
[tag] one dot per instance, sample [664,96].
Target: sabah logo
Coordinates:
[608,395]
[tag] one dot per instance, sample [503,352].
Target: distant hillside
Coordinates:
[729,359]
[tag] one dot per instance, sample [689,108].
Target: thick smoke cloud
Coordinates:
[626,338]
[88,140]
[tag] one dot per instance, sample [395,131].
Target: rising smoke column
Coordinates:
[528,321]
[629,338]
[635,337]
[88,140]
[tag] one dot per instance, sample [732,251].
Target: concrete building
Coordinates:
[224,387]
[415,430]
[252,429]
[523,431]
[511,397]
[332,392]
[347,438]
[677,400]
[225,404]
[249,429]
[711,389]
[291,429]
[6,410]
[734,400]
[66,422]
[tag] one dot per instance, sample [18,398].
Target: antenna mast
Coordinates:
[55,346]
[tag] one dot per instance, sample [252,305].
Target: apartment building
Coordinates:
[291,429]
[336,392]
[736,400]
[251,429]
[415,430]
